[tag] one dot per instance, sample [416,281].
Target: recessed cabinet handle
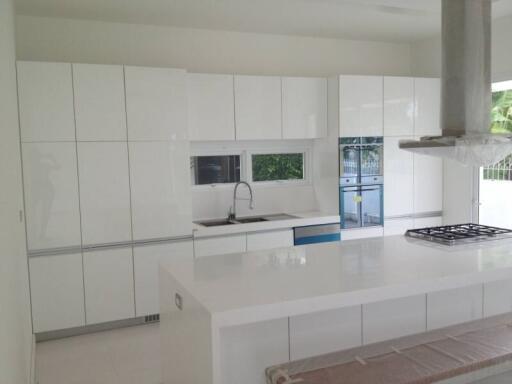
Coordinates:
[178,300]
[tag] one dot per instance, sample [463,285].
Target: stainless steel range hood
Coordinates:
[466,89]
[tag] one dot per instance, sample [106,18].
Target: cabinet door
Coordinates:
[160,189]
[211,107]
[455,306]
[51,195]
[99,102]
[258,107]
[362,233]
[398,179]
[391,319]
[497,298]
[221,245]
[361,106]
[46,101]
[104,192]
[398,106]
[268,240]
[156,103]
[108,280]
[146,262]
[427,100]
[397,226]
[428,184]
[324,332]
[304,107]
[57,292]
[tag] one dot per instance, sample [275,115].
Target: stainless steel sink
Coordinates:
[245,220]
[216,223]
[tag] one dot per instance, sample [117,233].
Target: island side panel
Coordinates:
[186,337]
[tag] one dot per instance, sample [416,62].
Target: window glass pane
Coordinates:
[215,169]
[501,112]
[278,166]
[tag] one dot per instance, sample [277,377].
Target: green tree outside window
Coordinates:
[280,166]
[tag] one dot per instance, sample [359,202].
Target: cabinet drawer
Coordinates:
[268,240]
[220,245]
[497,298]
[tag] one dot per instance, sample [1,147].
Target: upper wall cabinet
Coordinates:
[398,106]
[99,102]
[211,107]
[258,107]
[156,103]
[46,101]
[361,106]
[304,107]
[427,107]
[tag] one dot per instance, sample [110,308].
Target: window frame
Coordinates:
[220,152]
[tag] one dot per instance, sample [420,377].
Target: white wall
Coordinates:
[15,323]
[67,40]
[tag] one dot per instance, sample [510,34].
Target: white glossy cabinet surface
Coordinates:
[211,107]
[99,102]
[391,319]
[57,292]
[156,103]
[104,192]
[211,246]
[398,106]
[146,261]
[398,179]
[362,233]
[304,107]
[51,195]
[397,226]
[427,93]
[160,189]
[246,351]
[108,280]
[267,240]
[497,298]
[46,101]
[361,106]
[324,332]
[428,184]
[258,107]
[454,306]
[423,222]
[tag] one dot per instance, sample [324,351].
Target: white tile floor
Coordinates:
[122,356]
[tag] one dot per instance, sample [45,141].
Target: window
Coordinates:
[277,166]
[215,169]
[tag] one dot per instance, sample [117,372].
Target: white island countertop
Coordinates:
[243,288]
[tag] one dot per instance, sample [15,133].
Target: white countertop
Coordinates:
[257,286]
[300,219]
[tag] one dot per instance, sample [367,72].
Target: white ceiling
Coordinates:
[382,20]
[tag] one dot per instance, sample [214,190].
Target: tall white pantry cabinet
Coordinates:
[105,152]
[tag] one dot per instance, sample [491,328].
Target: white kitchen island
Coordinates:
[226,318]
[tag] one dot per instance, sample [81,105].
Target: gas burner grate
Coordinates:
[460,233]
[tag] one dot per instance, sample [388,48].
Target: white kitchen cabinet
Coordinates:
[258,241]
[427,100]
[220,245]
[497,298]
[398,106]
[51,195]
[324,332]
[104,192]
[211,107]
[156,104]
[258,107]
[146,261]
[46,101]
[57,292]
[424,222]
[391,319]
[362,233]
[99,102]
[397,226]
[160,189]
[304,107]
[361,106]
[247,350]
[460,305]
[108,280]
[428,184]
[398,179]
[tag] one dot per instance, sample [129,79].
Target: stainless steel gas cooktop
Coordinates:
[460,233]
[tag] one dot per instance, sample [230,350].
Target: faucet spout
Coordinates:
[232,211]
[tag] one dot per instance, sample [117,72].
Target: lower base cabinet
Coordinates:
[57,292]
[260,241]
[146,260]
[361,233]
[210,246]
[394,227]
[109,288]
[497,298]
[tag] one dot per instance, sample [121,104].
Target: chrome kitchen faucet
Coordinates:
[232,210]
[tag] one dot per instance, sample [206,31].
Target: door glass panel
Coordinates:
[371,206]
[351,205]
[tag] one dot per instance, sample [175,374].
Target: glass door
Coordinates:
[350,203]
[371,205]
